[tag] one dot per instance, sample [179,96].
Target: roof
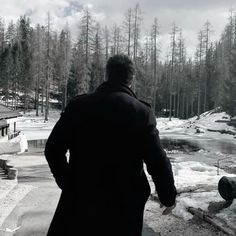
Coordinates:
[6,113]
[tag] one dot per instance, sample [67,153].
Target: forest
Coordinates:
[42,68]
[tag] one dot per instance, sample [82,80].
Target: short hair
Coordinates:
[120,69]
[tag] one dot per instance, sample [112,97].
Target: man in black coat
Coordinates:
[109,134]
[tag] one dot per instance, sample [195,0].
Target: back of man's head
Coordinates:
[120,69]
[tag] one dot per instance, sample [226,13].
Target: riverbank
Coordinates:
[211,124]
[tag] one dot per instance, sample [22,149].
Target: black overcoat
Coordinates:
[109,134]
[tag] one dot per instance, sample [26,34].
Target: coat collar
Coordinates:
[109,87]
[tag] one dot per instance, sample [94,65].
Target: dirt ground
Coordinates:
[169,225]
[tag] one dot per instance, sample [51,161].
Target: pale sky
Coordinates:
[190,15]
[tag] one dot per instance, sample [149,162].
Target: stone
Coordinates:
[227,188]
[12,173]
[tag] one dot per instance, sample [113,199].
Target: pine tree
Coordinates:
[107,42]
[128,29]
[199,70]
[154,39]
[48,65]
[64,60]
[2,35]
[25,58]
[173,35]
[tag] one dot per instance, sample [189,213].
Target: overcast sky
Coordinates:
[190,15]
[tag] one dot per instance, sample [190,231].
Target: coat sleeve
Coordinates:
[158,164]
[56,149]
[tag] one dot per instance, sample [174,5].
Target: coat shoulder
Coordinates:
[145,103]
[74,101]
[78,97]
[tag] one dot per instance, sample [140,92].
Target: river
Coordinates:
[179,148]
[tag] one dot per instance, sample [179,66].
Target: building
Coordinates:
[8,119]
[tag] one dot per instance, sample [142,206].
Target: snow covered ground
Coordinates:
[199,128]
[35,127]
[190,174]
[16,145]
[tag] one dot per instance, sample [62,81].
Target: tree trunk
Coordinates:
[178,101]
[199,99]
[47,86]
[47,82]
[183,106]
[42,100]
[187,107]
[37,95]
[170,111]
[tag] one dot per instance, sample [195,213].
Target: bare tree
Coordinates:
[154,39]
[48,66]
[37,63]
[128,29]
[199,61]
[207,32]
[65,62]
[107,41]
[173,35]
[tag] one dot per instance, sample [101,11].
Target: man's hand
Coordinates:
[168,210]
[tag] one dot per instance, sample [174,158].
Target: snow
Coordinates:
[12,199]
[36,127]
[201,180]
[196,200]
[16,145]
[165,125]
[200,174]
[207,121]
[196,185]
[205,180]
[196,182]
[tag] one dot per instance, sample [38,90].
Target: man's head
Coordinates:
[120,69]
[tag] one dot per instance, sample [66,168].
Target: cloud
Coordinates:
[190,15]
[61,11]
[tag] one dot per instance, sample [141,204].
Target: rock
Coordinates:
[7,168]
[227,188]
[12,173]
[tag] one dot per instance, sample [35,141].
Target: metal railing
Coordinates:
[13,135]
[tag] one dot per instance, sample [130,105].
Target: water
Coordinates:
[38,144]
[219,153]
[178,144]
[194,145]
[218,146]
